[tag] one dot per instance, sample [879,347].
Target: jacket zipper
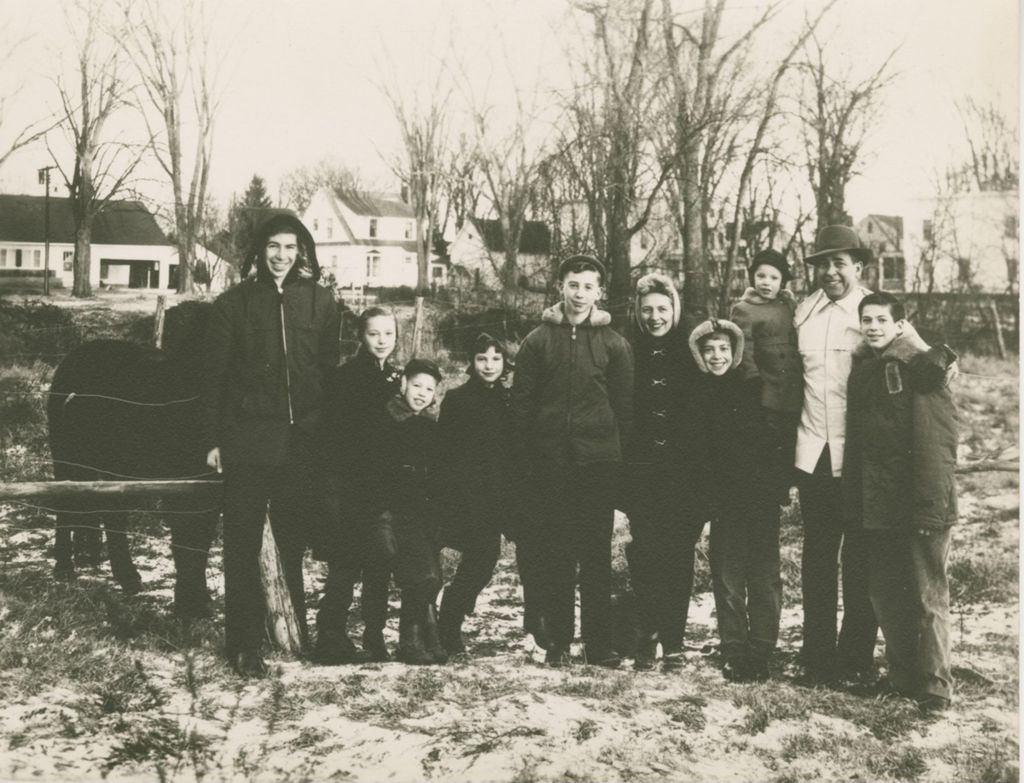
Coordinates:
[572,371]
[287,373]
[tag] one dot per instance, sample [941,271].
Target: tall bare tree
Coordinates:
[103,163]
[170,48]
[608,145]
[837,113]
[14,133]
[423,123]
[992,140]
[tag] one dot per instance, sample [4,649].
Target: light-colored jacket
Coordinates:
[827,334]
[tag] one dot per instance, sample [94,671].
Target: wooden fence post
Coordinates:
[998,326]
[282,625]
[158,321]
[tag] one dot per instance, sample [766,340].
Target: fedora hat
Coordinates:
[835,239]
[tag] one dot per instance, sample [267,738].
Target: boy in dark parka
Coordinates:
[742,490]
[899,484]
[573,399]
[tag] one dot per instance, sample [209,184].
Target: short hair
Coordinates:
[580,263]
[422,367]
[375,312]
[884,299]
[722,333]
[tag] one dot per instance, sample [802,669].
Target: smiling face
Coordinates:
[767,281]
[838,274]
[580,292]
[489,365]
[280,254]
[878,326]
[418,391]
[380,336]
[656,314]
[716,351]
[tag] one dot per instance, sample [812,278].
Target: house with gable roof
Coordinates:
[478,254]
[367,240]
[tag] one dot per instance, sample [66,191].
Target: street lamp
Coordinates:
[44,179]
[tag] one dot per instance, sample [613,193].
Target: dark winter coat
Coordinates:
[478,477]
[355,408]
[901,438]
[268,353]
[573,390]
[402,462]
[770,348]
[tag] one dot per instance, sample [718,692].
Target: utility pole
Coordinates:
[44,179]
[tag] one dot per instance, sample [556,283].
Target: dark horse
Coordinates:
[119,411]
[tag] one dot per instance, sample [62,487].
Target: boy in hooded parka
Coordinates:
[898,483]
[272,339]
[741,489]
[573,398]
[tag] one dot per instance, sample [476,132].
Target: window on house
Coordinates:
[330,228]
[17,258]
[871,227]
[645,241]
[373,228]
[3,256]
[37,259]
[373,265]
[893,273]
[408,230]
[409,259]
[316,224]
[69,260]
[926,230]
[963,266]
[437,272]
[1011,227]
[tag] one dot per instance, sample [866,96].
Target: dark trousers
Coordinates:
[339,589]
[824,539]
[745,574]
[417,561]
[910,593]
[248,489]
[661,563]
[476,566]
[577,521]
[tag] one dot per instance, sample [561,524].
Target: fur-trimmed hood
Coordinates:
[400,411]
[717,325]
[751,296]
[556,315]
[928,365]
[904,348]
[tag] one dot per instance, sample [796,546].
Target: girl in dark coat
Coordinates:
[478,434]
[742,490]
[357,394]
[666,517]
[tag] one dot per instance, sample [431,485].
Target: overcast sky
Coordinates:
[300,77]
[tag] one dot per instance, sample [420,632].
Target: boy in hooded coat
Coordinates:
[741,490]
[899,484]
[272,340]
[573,399]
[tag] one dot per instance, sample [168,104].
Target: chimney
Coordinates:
[405,193]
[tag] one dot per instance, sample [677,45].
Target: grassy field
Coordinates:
[94,684]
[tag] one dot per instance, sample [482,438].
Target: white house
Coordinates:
[128,247]
[367,240]
[478,254]
[964,242]
[884,235]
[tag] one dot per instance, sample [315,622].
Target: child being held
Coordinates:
[898,482]
[403,458]
[771,358]
[739,486]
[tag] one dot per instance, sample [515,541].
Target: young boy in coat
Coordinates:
[742,487]
[402,464]
[771,359]
[899,484]
[573,399]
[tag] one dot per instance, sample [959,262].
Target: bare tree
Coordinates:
[173,59]
[992,141]
[837,115]
[423,124]
[299,185]
[102,162]
[607,148]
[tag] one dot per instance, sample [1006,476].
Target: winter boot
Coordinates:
[431,637]
[374,646]
[411,648]
[646,649]
[334,648]
[450,628]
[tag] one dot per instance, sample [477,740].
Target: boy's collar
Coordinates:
[400,410]
[556,315]
[751,296]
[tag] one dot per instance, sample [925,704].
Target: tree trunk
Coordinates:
[81,286]
[619,287]
[695,281]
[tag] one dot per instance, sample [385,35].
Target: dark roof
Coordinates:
[120,223]
[373,205]
[534,239]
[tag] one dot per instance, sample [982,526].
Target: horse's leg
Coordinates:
[191,537]
[88,541]
[121,565]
